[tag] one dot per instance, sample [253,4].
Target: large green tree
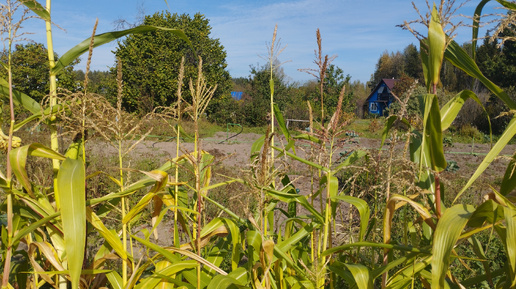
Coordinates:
[151,62]
[31,71]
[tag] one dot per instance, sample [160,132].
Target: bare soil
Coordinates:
[234,155]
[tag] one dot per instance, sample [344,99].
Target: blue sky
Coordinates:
[357,31]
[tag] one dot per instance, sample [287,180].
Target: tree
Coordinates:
[99,82]
[31,71]
[151,62]
[412,60]
[333,84]
[259,92]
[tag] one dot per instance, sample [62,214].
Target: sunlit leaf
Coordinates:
[37,8]
[19,98]
[107,37]
[361,275]
[446,235]
[72,193]
[507,135]
[437,43]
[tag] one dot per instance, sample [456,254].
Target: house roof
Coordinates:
[388,81]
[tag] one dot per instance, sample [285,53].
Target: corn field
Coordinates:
[402,236]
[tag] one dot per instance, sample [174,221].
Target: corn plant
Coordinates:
[442,228]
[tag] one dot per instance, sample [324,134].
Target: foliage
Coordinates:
[31,71]
[150,62]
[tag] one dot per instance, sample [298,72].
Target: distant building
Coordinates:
[380,98]
[237,95]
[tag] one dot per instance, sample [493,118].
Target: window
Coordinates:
[373,106]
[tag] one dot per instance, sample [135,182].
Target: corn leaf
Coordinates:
[460,58]
[300,199]
[107,37]
[362,275]
[446,235]
[283,128]
[138,207]
[432,151]
[112,239]
[19,98]
[115,280]
[257,147]
[237,277]
[28,229]
[404,277]
[437,43]
[363,210]
[37,8]
[510,223]
[308,137]
[451,109]
[169,255]
[153,280]
[72,193]
[300,159]
[351,159]
[374,245]
[476,20]
[18,158]
[509,179]
[507,135]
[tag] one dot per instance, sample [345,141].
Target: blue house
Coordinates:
[380,98]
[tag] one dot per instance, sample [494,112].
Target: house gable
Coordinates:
[381,97]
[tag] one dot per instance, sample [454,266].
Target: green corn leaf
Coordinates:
[404,277]
[446,235]
[476,20]
[257,147]
[460,58]
[110,237]
[437,44]
[406,259]
[300,159]
[363,210]
[169,271]
[283,128]
[510,224]
[236,278]
[28,229]
[507,135]
[374,245]
[423,44]
[107,37]
[451,109]
[509,179]
[476,25]
[300,199]
[362,275]
[432,152]
[19,98]
[308,137]
[18,158]
[388,125]
[172,258]
[142,204]
[71,180]
[37,8]
[479,251]
[115,280]
[355,156]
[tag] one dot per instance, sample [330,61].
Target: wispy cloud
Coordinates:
[357,31]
